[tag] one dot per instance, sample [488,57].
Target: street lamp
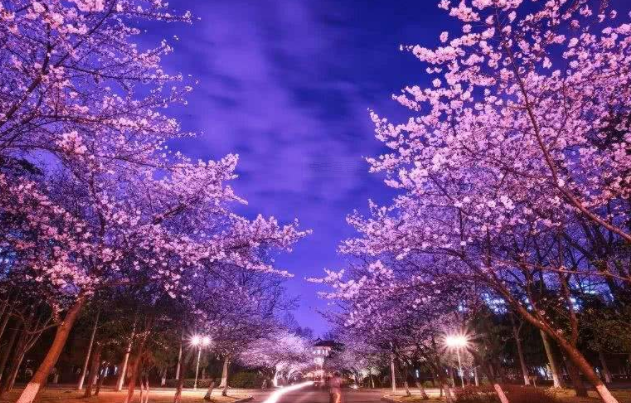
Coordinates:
[458,342]
[199,342]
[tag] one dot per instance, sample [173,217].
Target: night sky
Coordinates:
[287,85]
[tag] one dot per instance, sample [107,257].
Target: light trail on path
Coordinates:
[280,392]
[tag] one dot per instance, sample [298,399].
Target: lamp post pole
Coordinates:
[199,355]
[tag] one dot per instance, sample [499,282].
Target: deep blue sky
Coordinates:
[286,84]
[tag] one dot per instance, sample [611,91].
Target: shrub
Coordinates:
[246,380]
[515,394]
[189,383]
[477,394]
[529,394]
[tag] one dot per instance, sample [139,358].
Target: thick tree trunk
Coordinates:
[577,358]
[224,376]
[406,386]
[575,377]
[603,363]
[487,367]
[61,336]
[131,387]
[89,352]
[94,370]
[209,392]
[421,389]
[520,353]
[557,380]
[6,352]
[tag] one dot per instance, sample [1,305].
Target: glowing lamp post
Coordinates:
[199,342]
[458,342]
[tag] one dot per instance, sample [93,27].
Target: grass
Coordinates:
[565,395]
[109,396]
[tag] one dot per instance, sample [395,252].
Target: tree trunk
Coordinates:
[163,378]
[123,367]
[603,363]
[209,392]
[131,387]
[575,356]
[61,336]
[87,355]
[224,373]
[179,362]
[101,379]
[5,319]
[14,367]
[393,376]
[520,353]
[94,370]
[224,376]
[557,380]
[180,385]
[407,388]
[575,377]
[6,352]
[421,389]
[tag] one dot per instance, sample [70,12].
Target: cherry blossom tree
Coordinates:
[517,156]
[282,353]
[91,196]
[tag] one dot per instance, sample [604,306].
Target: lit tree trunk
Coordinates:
[419,385]
[6,352]
[94,369]
[87,355]
[224,376]
[123,367]
[163,379]
[475,376]
[520,351]
[557,381]
[61,336]
[488,369]
[209,392]
[372,381]
[179,373]
[393,376]
[603,363]
[179,362]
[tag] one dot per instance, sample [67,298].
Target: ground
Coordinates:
[59,395]
[566,396]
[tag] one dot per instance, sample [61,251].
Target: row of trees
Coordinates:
[514,194]
[98,217]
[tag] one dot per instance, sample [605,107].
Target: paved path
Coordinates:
[313,395]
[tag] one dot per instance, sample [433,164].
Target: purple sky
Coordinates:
[286,84]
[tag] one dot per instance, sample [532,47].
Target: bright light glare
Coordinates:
[274,397]
[206,341]
[456,341]
[195,340]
